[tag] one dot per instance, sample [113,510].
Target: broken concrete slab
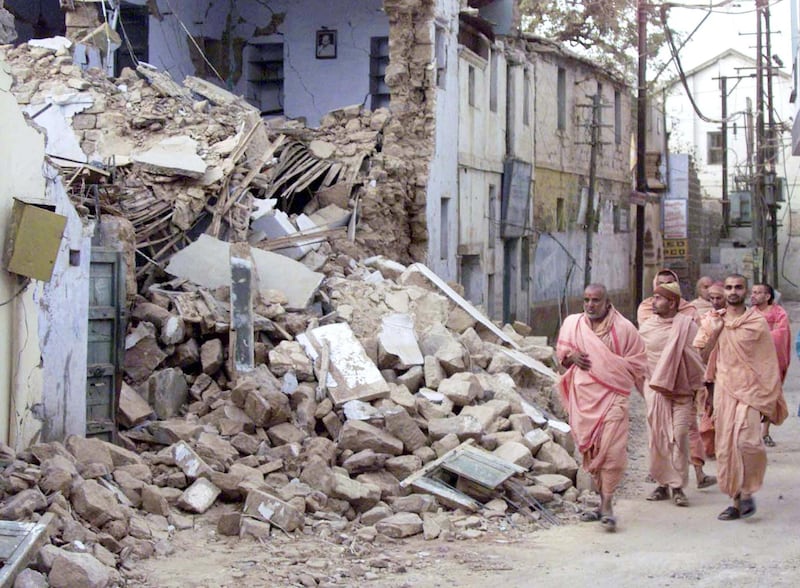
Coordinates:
[206,262]
[174,156]
[352,375]
[398,339]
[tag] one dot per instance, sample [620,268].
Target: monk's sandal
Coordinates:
[679,498]
[660,493]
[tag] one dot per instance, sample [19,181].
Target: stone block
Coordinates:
[29,578]
[463,427]
[284,433]
[168,392]
[153,500]
[79,569]
[365,461]
[199,497]
[96,504]
[553,453]
[212,356]
[412,379]
[133,409]
[23,505]
[358,435]
[405,524]
[416,503]
[361,495]
[515,453]
[403,466]
[268,508]
[433,372]
[461,388]
[189,462]
[402,426]
[555,482]
[229,524]
[89,451]
[535,439]
[289,356]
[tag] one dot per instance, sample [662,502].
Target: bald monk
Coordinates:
[605,359]
[675,372]
[762,297]
[747,386]
[645,311]
[702,304]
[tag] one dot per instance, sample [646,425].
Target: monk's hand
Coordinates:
[580,359]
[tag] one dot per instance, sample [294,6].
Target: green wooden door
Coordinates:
[107,323]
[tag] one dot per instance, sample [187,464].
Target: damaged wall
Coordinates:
[42,356]
[562,179]
[230,34]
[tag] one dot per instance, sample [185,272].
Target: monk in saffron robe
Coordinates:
[605,359]
[716,295]
[644,312]
[747,387]
[675,372]
[762,297]
[702,304]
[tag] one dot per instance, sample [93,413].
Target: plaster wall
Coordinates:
[44,328]
[312,87]
[442,207]
[20,175]
[63,326]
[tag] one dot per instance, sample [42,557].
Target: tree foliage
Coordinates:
[605,31]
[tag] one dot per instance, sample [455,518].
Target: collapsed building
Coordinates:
[229,256]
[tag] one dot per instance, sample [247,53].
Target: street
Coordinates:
[657,544]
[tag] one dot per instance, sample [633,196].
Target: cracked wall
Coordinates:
[228,30]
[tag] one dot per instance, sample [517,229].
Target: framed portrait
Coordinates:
[326,44]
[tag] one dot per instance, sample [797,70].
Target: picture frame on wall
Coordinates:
[326,44]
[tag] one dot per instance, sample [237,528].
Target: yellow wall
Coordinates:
[21,159]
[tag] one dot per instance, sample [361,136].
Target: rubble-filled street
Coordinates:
[282,285]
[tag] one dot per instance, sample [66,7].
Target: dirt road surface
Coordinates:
[657,544]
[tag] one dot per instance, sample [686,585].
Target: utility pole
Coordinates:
[595,144]
[771,156]
[641,146]
[759,233]
[726,203]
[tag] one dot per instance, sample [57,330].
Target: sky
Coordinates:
[732,26]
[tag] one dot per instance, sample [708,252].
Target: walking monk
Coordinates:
[762,297]
[675,372]
[747,386]
[716,296]
[644,312]
[605,359]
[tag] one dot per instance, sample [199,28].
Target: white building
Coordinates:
[702,137]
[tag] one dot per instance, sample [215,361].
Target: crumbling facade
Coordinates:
[566,86]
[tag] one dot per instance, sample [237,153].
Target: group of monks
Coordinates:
[711,372]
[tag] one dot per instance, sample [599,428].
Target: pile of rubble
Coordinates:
[181,159]
[376,400]
[414,375]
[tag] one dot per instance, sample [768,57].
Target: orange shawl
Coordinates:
[746,365]
[677,368]
[618,364]
[778,322]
